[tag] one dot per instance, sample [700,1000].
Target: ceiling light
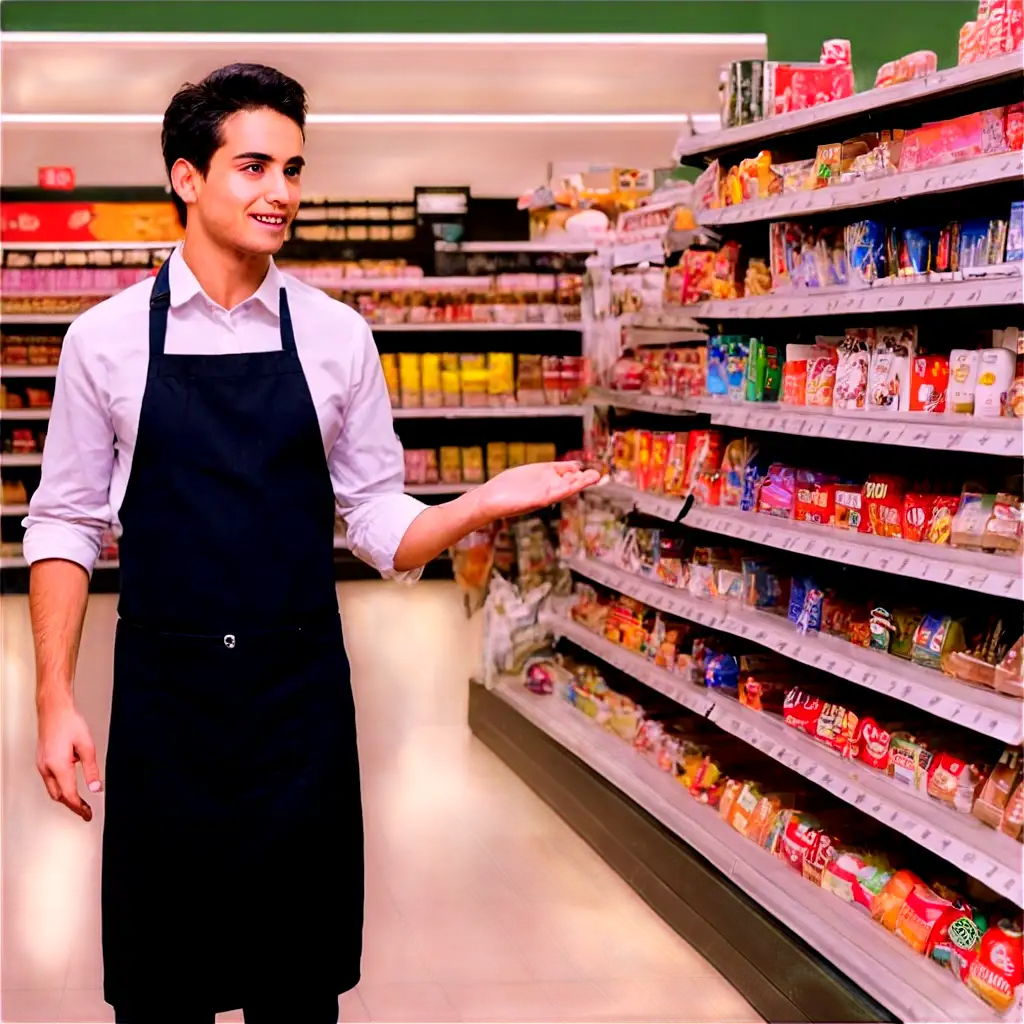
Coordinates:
[667,39]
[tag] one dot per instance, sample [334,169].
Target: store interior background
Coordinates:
[46,871]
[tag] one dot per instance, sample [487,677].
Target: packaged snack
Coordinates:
[865,251]
[954,781]
[997,789]
[451,380]
[921,910]
[431,369]
[889,902]
[852,369]
[871,744]
[909,761]
[544,452]
[929,381]
[794,382]
[737,353]
[1005,528]
[817,858]
[821,378]
[389,364]
[1003,27]
[1009,673]
[764,372]
[1015,229]
[849,502]
[530,382]
[451,466]
[798,837]
[501,387]
[410,380]
[995,375]
[883,506]
[936,635]
[758,278]
[473,465]
[552,368]
[475,379]
[889,373]
[815,498]
[497,458]
[940,523]
[1013,816]
[997,971]
[737,456]
[778,491]
[972,43]
[955,939]
[917,512]
[963,379]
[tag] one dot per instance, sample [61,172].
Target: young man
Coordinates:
[217,416]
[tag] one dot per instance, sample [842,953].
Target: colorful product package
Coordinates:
[737,353]
[929,382]
[737,457]
[854,356]
[410,379]
[718,358]
[889,372]
[998,970]
[389,364]
[883,506]
[821,378]
[763,372]
[849,503]
[815,498]
[955,939]
[778,491]
[995,375]
[963,380]
[794,382]
[920,912]
[889,902]
[451,465]
[431,369]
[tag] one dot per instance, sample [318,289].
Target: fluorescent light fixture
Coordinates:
[752,39]
[598,120]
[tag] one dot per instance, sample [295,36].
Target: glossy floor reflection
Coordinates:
[482,905]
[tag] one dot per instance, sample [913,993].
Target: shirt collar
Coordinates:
[185,287]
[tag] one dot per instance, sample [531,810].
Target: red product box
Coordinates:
[815,499]
[929,382]
[797,840]
[661,445]
[849,507]
[959,138]
[871,744]
[800,86]
[777,494]
[940,523]
[644,449]
[1013,126]
[703,455]
[917,514]
[883,507]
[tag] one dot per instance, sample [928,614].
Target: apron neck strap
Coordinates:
[160,303]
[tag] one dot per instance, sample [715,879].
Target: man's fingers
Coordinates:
[50,783]
[86,752]
[66,783]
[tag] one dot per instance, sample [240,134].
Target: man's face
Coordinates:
[250,193]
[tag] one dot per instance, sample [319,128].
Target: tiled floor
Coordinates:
[482,905]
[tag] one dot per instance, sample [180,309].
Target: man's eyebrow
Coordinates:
[266,158]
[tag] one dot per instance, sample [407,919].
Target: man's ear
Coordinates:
[186,181]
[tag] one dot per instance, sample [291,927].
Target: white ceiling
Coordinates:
[474,75]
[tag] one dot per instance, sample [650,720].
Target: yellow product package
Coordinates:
[516,454]
[501,385]
[410,380]
[431,380]
[497,458]
[473,465]
[473,369]
[389,364]
[540,453]
[451,466]
[451,380]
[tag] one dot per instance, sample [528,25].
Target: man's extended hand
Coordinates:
[526,488]
[64,739]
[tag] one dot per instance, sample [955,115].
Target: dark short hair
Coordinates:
[193,118]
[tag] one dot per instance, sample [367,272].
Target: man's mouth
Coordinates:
[274,220]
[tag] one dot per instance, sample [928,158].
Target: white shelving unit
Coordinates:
[985,854]
[17,372]
[31,319]
[927,690]
[13,510]
[828,115]
[492,412]
[471,328]
[978,571]
[548,246]
[9,459]
[24,414]
[987,170]
[911,987]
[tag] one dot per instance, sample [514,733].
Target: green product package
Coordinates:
[763,373]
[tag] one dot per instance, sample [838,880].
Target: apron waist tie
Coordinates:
[236,632]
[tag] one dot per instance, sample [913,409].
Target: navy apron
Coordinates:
[233,842]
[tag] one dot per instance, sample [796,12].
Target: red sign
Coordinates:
[59,178]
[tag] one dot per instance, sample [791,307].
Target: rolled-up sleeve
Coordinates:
[368,468]
[71,507]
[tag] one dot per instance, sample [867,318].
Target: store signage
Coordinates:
[60,179]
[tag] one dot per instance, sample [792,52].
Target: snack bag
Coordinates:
[852,369]
[886,906]
[889,372]
[921,910]
[956,939]
[1013,816]
[963,379]
[929,381]
[995,794]
[821,378]
[997,971]
[871,744]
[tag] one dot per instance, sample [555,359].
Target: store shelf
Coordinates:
[81,246]
[13,372]
[988,170]
[948,432]
[826,115]
[29,319]
[473,328]
[975,708]
[984,573]
[7,459]
[663,404]
[1001,287]
[962,840]
[489,412]
[13,510]
[420,490]
[913,988]
[13,562]
[24,414]
[499,247]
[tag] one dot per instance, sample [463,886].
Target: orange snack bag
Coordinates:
[886,906]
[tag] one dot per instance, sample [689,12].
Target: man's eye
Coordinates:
[293,172]
[256,168]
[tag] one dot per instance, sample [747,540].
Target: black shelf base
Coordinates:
[775,971]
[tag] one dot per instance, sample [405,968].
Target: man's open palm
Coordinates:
[526,488]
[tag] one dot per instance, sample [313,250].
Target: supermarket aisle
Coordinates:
[482,905]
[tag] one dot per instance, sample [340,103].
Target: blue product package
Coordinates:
[717,365]
[918,248]
[797,592]
[722,672]
[1015,233]
[865,251]
[974,243]
[736,367]
[751,479]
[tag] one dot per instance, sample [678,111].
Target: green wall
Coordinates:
[879,30]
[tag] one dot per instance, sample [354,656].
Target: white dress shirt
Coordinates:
[87,458]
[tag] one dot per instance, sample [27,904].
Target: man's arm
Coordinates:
[67,516]
[58,592]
